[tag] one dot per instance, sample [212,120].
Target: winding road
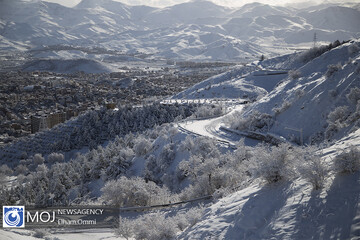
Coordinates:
[210,127]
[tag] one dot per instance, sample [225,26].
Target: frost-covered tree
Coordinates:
[21,169]
[134,192]
[312,166]
[60,183]
[255,121]
[339,114]
[100,162]
[332,69]
[294,74]
[348,161]
[205,147]
[6,170]
[142,145]
[126,228]
[273,163]
[354,95]
[188,144]
[120,163]
[55,157]
[336,120]
[284,106]
[315,52]
[158,225]
[207,110]
[156,167]
[38,159]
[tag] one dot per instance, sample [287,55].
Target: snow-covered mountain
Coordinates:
[283,191]
[198,30]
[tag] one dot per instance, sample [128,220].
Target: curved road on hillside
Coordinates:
[211,128]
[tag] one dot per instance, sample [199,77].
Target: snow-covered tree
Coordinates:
[134,192]
[354,95]
[312,166]
[273,163]
[348,161]
[55,157]
[142,146]
[38,159]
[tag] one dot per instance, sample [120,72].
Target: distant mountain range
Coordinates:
[198,30]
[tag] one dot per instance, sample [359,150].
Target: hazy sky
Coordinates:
[162,3]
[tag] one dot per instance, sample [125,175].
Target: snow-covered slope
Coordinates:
[304,103]
[334,18]
[303,98]
[248,82]
[258,9]
[198,30]
[185,13]
[287,210]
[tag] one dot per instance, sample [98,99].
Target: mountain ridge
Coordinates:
[167,32]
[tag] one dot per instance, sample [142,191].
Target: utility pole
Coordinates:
[315,39]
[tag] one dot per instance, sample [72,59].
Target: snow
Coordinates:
[334,18]
[201,30]
[239,83]
[286,210]
[290,210]
[308,97]
[211,128]
[309,110]
[219,33]
[66,66]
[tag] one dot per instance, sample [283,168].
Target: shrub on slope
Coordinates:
[348,161]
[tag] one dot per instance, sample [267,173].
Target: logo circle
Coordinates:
[15,218]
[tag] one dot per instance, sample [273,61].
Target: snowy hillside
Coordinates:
[320,96]
[198,30]
[66,66]
[287,210]
[307,98]
[248,82]
[300,96]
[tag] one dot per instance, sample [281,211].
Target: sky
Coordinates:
[163,3]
